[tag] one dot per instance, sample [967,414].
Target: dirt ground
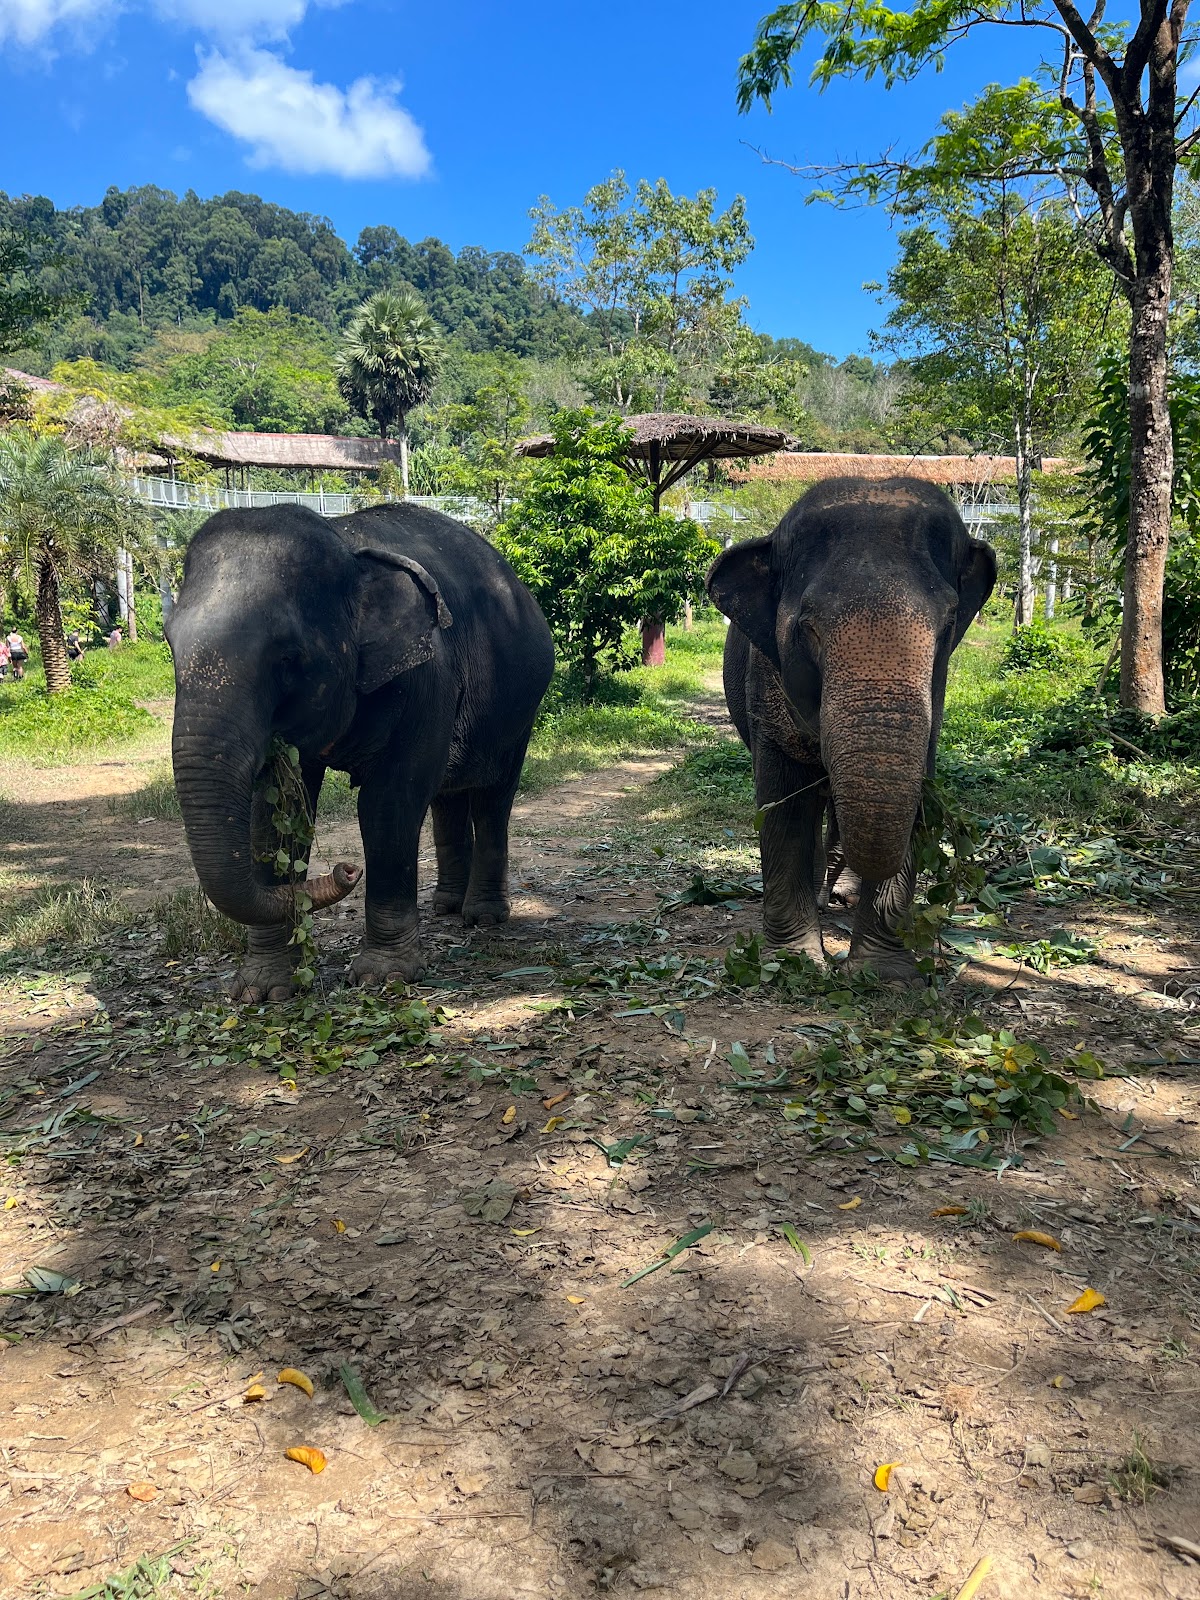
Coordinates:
[467,1244]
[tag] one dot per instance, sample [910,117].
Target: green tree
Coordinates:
[27,298]
[389,361]
[1002,309]
[1111,131]
[59,514]
[594,554]
[653,270]
[486,429]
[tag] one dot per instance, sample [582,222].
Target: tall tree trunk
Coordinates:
[1151,470]
[1068,584]
[1052,581]
[50,628]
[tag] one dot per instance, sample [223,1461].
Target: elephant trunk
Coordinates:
[875,734]
[216,766]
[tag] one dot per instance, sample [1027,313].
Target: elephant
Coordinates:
[842,623]
[394,644]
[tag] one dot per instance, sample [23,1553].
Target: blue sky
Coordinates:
[452,120]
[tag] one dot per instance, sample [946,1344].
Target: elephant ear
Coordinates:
[976,580]
[400,609]
[741,585]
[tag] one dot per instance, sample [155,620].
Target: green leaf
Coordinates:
[358,1396]
[797,1244]
[669,1254]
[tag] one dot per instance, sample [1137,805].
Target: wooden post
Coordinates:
[654,629]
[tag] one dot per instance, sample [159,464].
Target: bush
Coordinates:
[1037,649]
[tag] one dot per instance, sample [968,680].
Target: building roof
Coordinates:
[305,450]
[673,436]
[813,466]
[28,381]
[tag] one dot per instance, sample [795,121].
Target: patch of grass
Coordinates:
[54,919]
[150,1578]
[192,926]
[156,798]
[1136,1478]
[48,729]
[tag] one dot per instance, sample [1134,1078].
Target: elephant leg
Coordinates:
[839,885]
[487,901]
[790,845]
[271,957]
[876,943]
[391,810]
[453,839]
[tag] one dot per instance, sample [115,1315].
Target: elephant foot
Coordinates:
[261,979]
[843,891]
[486,913]
[897,967]
[375,965]
[807,943]
[447,902]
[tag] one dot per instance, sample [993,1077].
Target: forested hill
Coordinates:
[144,260]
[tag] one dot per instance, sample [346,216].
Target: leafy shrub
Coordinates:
[1037,649]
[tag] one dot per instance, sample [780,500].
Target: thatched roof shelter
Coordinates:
[664,445]
[814,466]
[310,451]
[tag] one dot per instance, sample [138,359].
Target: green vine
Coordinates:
[946,845]
[294,827]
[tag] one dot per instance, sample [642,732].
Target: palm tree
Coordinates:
[59,512]
[390,358]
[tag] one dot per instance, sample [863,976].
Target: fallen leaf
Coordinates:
[44,1280]
[554,1122]
[308,1456]
[1062,1382]
[358,1396]
[142,1491]
[524,1233]
[13,1200]
[1070,1116]
[216,1267]
[230,1022]
[300,1380]
[138,1142]
[337,1225]
[556,1099]
[286,1161]
[1088,1301]
[883,1475]
[509,1116]
[1090,1494]
[576,1299]
[851,1205]
[949,1211]
[797,1244]
[1046,1240]
[254,1392]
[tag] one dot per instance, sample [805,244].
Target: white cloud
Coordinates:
[235,19]
[28,22]
[293,122]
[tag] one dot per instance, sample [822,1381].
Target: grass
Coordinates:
[192,926]
[99,710]
[75,918]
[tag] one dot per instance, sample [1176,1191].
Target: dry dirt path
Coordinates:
[447,1219]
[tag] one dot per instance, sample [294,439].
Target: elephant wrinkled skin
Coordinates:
[843,621]
[393,644]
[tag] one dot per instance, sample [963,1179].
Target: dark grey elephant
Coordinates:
[395,645]
[843,622]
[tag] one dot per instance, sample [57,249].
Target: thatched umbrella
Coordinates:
[662,448]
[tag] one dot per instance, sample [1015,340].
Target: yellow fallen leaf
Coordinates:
[337,1224]
[556,1099]
[509,1116]
[286,1161]
[554,1122]
[1059,1382]
[978,1573]
[883,1475]
[300,1380]
[1088,1301]
[949,1211]
[308,1456]
[851,1205]
[254,1392]
[142,1491]
[138,1142]
[12,1201]
[1032,1236]
[902,1115]
[576,1299]
[230,1022]
[1070,1116]
[523,1233]
[216,1267]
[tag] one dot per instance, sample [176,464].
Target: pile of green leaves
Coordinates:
[350,1029]
[962,1085]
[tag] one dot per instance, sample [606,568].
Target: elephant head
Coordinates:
[280,627]
[857,599]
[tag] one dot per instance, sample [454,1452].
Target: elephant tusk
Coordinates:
[333,886]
